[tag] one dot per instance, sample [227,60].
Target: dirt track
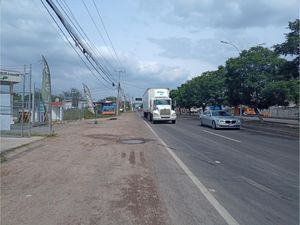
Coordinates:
[85,175]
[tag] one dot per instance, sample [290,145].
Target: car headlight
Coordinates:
[222,121]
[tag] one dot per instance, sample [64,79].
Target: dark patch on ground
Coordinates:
[140,198]
[103,136]
[132,141]
[132,158]
[142,157]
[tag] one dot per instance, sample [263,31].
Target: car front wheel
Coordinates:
[213,125]
[201,124]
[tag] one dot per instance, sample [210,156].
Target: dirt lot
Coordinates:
[88,174]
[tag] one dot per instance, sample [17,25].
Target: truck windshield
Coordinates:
[162,102]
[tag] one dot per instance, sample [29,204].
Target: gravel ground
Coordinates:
[87,174]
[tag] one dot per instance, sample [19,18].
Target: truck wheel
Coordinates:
[153,121]
[149,117]
[173,121]
[145,115]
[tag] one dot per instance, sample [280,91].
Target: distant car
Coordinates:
[219,119]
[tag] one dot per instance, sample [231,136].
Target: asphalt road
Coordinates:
[254,176]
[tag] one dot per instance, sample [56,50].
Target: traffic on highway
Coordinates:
[249,177]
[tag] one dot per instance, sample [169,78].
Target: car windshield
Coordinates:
[220,113]
[162,102]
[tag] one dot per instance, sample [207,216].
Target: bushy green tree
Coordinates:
[202,90]
[248,75]
[290,48]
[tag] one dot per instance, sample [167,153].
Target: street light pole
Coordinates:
[239,51]
[229,43]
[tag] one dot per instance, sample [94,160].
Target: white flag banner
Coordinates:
[88,97]
[46,83]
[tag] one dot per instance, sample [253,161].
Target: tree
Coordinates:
[290,48]
[110,98]
[208,88]
[247,78]
[182,96]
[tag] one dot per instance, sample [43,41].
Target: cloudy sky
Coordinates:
[159,43]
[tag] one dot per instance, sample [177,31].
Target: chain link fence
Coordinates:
[22,110]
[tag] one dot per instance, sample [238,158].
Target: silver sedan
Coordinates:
[219,119]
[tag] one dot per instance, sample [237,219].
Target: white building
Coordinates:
[7,80]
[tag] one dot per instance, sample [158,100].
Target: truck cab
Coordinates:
[157,105]
[162,110]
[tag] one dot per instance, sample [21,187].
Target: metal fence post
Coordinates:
[23,105]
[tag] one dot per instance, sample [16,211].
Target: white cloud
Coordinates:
[30,33]
[176,41]
[223,14]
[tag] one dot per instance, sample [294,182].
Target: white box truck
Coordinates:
[157,105]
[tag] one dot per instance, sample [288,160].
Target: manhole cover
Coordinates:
[133,141]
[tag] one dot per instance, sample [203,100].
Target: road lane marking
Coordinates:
[231,139]
[205,191]
[263,188]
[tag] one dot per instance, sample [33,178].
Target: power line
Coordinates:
[71,44]
[108,35]
[96,26]
[78,42]
[93,48]
[84,36]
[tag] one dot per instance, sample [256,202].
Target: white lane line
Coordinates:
[212,200]
[262,187]
[231,139]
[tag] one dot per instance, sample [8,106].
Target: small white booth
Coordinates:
[7,80]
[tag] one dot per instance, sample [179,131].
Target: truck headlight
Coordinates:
[155,114]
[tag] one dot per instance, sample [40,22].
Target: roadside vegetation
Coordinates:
[258,78]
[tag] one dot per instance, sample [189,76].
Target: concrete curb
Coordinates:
[9,144]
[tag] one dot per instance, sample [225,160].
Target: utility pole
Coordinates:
[124,103]
[118,96]
[33,104]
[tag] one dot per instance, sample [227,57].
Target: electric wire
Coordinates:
[64,6]
[84,37]
[72,45]
[97,28]
[100,17]
[79,42]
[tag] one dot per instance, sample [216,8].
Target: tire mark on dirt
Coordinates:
[142,158]
[132,158]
